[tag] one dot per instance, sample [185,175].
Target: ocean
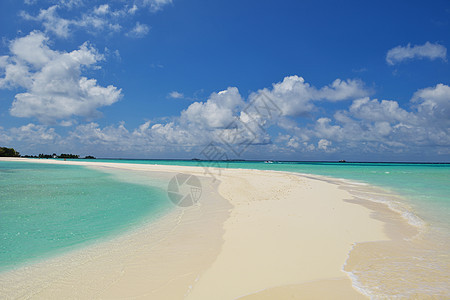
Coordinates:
[408,267]
[426,187]
[47,209]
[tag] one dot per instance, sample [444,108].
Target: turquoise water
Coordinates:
[426,187]
[47,209]
[408,267]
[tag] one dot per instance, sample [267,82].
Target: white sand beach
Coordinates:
[253,235]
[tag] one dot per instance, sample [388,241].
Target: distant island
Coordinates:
[198,159]
[11,152]
[62,156]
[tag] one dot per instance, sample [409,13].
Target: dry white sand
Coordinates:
[271,234]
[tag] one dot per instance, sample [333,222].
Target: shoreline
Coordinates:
[274,232]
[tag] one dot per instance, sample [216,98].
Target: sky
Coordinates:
[268,80]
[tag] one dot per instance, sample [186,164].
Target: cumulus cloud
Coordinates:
[377,126]
[31,138]
[385,125]
[91,132]
[217,112]
[434,103]
[139,30]
[374,110]
[325,145]
[295,97]
[342,90]
[366,125]
[55,87]
[427,50]
[146,137]
[5,138]
[34,134]
[213,120]
[228,119]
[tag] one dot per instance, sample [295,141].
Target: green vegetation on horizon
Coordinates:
[8,152]
[11,152]
[62,155]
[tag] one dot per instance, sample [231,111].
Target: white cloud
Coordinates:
[33,50]
[434,102]
[111,17]
[139,30]
[221,118]
[176,95]
[295,97]
[147,137]
[292,95]
[69,3]
[385,125]
[366,126]
[342,90]
[427,50]
[325,145]
[156,5]
[197,126]
[108,135]
[5,138]
[15,75]
[294,144]
[217,112]
[30,2]
[34,134]
[94,21]
[54,86]
[373,110]
[30,138]
[132,10]
[3,61]
[51,21]
[101,9]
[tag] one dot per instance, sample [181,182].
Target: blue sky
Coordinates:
[353,80]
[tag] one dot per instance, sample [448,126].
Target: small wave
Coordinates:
[358,285]
[352,182]
[354,278]
[399,207]
[373,193]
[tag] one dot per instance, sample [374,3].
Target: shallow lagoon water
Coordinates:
[47,209]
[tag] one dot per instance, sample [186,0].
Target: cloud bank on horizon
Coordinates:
[59,96]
